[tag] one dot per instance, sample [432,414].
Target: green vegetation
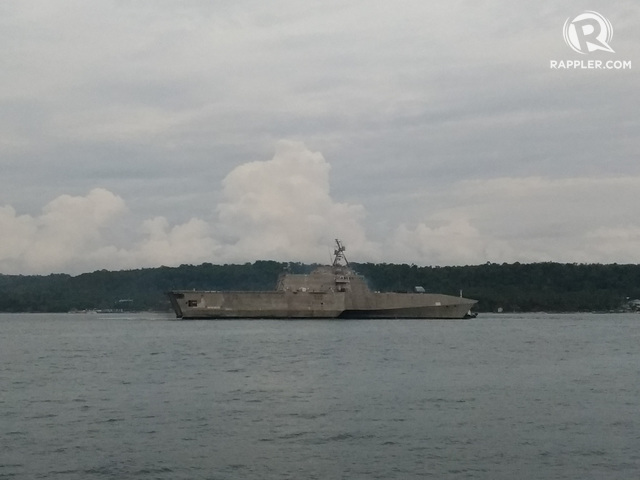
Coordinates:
[550,287]
[512,287]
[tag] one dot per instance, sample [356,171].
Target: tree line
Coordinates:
[552,287]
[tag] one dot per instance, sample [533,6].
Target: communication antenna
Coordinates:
[339,256]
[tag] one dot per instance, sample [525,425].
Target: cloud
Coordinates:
[282,208]
[69,230]
[529,219]
[190,242]
[279,209]
[454,242]
[157,103]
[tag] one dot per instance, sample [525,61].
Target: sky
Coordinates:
[138,134]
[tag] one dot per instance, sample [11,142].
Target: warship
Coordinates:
[329,291]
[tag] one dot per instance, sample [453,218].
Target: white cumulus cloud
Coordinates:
[68,230]
[278,209]
[162,244]
[283,209]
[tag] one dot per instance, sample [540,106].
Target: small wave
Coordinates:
[153,471]
[289,436]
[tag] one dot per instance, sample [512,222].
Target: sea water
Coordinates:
[93,396]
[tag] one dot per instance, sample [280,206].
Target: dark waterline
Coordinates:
[147,397]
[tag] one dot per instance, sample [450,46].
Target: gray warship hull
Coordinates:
[193,304]
[334,291]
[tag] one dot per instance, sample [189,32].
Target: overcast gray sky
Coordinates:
[158,133]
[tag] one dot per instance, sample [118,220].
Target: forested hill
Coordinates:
[512,287]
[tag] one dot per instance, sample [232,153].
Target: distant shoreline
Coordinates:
[515,288]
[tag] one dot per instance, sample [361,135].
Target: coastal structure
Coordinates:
[331,291]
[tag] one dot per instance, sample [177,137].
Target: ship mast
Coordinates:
[339,256]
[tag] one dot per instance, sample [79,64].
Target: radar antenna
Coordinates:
[339,256]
